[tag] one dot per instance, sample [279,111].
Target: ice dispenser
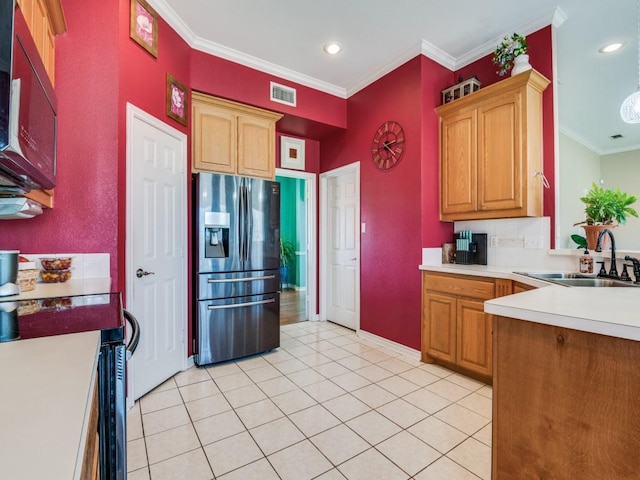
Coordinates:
[216,234]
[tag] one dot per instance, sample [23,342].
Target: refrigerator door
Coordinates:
[263,225]
[219,226]
[236,327]
[237,284]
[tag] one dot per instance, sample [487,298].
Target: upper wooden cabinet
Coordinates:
[232,138]
[491,151]
[45,20]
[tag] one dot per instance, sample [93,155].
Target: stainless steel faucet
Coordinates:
[613,271]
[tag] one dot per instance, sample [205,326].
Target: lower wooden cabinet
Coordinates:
[455,330]
[565,403]
[91,459]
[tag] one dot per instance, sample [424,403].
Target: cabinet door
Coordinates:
[500,153]
[474,337]
[458,168]
[256,147]
[439,329]
[214,139]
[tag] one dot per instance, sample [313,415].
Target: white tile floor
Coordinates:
[325,405]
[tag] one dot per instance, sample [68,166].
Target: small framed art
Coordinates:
[292,153]
[143,26]
[177,96]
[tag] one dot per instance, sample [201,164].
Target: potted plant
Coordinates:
[605,208]
[508,51]
[287,254]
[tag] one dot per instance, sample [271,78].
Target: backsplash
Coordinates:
[83,265]
[522,242]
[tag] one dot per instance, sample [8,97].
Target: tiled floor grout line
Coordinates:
[314,340]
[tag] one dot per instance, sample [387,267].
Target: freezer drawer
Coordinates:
[237,327]
[237,284]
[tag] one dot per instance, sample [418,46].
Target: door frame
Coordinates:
[324,202]
[135,113]
[312,221]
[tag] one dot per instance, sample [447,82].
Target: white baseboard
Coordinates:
[188,363]
[394,346]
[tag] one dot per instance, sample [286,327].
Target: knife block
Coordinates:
[477,254]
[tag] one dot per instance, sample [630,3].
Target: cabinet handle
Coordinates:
[560,339]
[545,182]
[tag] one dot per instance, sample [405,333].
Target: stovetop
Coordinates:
[44,317]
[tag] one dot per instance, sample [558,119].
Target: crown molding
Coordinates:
[212,48]
[383,70]
[489,47]
[555,18]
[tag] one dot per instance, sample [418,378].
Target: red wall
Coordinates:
[86,215]
[541,58]
[390,200]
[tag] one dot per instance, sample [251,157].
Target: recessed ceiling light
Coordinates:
[612,47]
[332,48]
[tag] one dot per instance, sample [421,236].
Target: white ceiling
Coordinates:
[285,38]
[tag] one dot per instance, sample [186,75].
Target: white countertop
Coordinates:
[85,286]
[607,311]
[45,398]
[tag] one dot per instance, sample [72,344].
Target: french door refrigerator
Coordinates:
[237,265]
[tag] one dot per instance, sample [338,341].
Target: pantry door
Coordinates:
[156,248]
[340,246]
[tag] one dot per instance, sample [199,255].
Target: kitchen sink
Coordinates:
[593,282]
[577,280]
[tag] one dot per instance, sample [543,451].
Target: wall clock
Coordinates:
[388,145]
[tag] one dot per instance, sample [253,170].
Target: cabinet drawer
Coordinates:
[463,286]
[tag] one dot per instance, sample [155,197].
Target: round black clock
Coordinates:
[388,145]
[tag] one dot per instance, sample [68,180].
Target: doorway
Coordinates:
[156,249]
[340,246]
[298,197]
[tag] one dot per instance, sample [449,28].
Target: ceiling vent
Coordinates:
[616,136]
[282,94]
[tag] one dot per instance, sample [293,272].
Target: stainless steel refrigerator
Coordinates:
[237,265]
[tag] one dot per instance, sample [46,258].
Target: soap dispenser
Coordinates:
[586,262]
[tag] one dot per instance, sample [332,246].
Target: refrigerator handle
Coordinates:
[249,226]
[240,305]
[241,222]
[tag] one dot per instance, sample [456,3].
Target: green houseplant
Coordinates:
[287,254]
[605,208]
[506,52]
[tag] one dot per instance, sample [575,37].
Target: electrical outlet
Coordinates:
[363,227]
[493,242]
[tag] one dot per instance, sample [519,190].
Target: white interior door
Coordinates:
[156,243]
[341,245]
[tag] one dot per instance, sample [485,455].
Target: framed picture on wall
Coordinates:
[143,26]
[292,153]
[177,97]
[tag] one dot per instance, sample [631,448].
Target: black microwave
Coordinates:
[28,118]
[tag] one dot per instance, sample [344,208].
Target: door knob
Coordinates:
[141,273]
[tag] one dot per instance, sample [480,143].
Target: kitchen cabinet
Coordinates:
[232,138]
[565,403]
[91,459]
[455,329]
[45,20]
[519,287]
[491,151]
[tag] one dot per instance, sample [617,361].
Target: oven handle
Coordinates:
[238,305]
[135,335]
[247,279]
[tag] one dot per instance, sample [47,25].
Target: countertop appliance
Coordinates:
[24,319]
[28,118]
[9,273]
[237,265]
